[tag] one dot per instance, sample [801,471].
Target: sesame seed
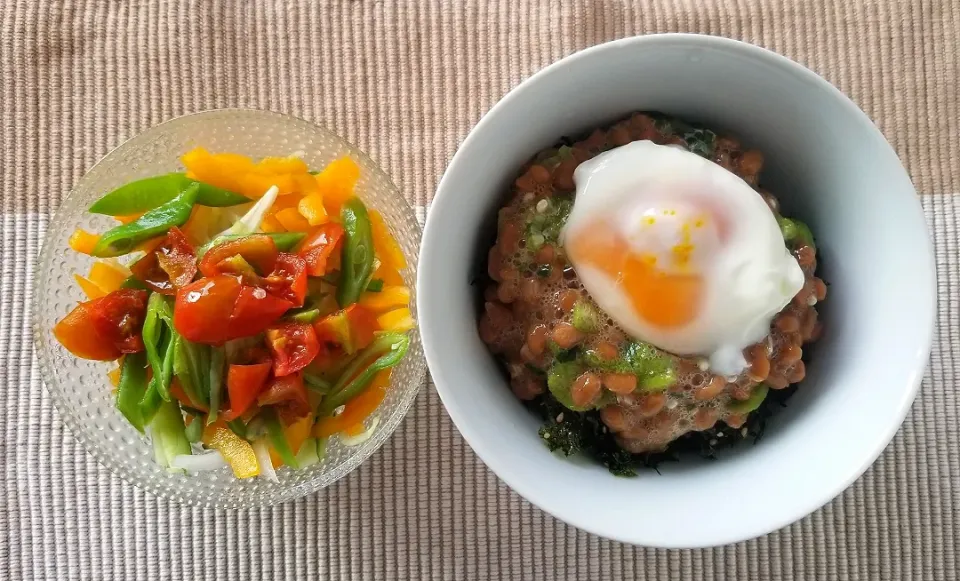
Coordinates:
[560,417]
[527,197]
[811,300]
[542,206]
[671,404]
[546,435]
[713,442]
[719,434]
[743,432]
[703,364]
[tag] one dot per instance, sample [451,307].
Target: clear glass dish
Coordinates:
[80,388]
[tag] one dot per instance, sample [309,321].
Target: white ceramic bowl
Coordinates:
[828,164]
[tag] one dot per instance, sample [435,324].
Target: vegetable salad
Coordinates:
[257,310]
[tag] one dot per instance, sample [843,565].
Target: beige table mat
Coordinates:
[406,81]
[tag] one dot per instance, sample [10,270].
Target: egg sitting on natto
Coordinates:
[680,252]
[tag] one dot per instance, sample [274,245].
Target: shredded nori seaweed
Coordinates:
[569,433]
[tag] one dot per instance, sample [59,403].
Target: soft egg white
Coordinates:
[680,252]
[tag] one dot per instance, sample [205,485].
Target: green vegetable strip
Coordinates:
[133,384]
[316,383]
[356,263]
[151,401]
[217,360]
[187,362]
[308,454]
[133,282]
[153,327]
[238,427]
[277,438]
[285,241]
[386,351]
[148,193]
[194,432]
[167,431]
[303,316]
[124,238]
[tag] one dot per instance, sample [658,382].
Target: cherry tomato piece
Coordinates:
[171,265]
[105,328]
[288,279]
[254,311]
[202,310]
[288,395]
[259,250]
[244,384]
[319,245]
[294,345]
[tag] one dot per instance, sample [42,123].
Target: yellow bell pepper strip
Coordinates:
[132,386]
[357,254]
[107,276]
[291,220]
[336,182]
[127,218]
[271,225]
[311,208]
[91,290]
[390,297]
[82,241]
[148,193]
[399,320]
[357,409]
[123,239]
[388,275]
[235,450]
[387,248]
[385,352]
[281,165]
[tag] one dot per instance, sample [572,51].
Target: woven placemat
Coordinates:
[406,81]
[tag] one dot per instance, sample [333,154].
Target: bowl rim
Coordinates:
[377,440]
[445,194]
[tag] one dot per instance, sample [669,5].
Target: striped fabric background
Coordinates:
[406,80]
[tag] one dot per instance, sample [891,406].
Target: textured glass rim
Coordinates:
[284,494]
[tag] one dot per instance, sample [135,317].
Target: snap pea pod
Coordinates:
[386,351]
[356,261]
[277,438]
[151,401]
[316,383]
[153,327]
[285,241]
[194,431]
[187,361]
[148,193]
[217,359]
[124,238]
[133,384]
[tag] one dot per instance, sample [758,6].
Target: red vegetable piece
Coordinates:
[294,345]
[288,279]
[170,266]
[244,384]
[288,395]
[202,310]
[254,311]
[319,245]
[105,328]
[217,309]
[259,250]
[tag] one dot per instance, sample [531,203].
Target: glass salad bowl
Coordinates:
[80,388]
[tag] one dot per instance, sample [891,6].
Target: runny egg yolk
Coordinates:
[665,296]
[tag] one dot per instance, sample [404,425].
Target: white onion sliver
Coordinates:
[199,462]
[360,438]
[262,452]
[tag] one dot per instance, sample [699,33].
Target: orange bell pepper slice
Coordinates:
[82,241]
[357,409]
